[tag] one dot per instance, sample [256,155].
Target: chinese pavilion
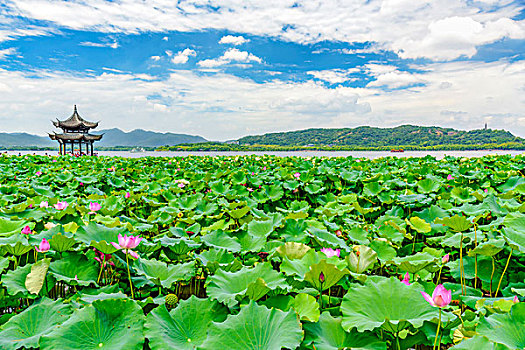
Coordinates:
[75,132]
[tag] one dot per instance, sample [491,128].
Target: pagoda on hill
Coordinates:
[75,132]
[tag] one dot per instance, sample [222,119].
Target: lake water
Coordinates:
[355,154]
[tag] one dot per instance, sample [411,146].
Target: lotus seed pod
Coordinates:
[171,301]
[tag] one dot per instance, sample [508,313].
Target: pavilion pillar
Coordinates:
[80,147]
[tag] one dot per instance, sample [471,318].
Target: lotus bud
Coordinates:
[321,277]
[26,230]
[445,259]
[516,300]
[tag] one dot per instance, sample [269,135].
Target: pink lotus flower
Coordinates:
[406,279]
[249,189]
[26,230]
[450,177]
[127,195]
[127,243]
[93,206]
[486,190]
[441,297]
[297,175]
[38,173]
[44,246]
[61,205]
[329,252]
[81,184]
[516,300]
[445,259]
[264,168]
[30,206]
[102,258]
[44,204]
[181,185]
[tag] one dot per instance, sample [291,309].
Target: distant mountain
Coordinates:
[365,136]
[112,138]
[22,139]
[139,137]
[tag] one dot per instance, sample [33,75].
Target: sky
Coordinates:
[229,68]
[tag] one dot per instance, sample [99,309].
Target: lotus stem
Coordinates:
[99,274]
[461,268]
[475,257]
[129,278]
[503,274]
[491,276]
[439,275]
[437,332]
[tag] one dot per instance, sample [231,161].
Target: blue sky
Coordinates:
[225,69]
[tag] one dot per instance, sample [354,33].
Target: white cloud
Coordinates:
[456,94]
[232,55]
[7,52]
[441,30]
[334,76]
[183,56]
[234,40]
[155,58]
[112,45]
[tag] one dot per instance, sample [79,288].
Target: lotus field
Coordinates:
[262,253]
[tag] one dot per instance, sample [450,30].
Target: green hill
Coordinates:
[112,138]
[365,136]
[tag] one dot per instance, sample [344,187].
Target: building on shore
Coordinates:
[75,132]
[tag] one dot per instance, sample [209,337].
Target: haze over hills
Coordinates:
[365,136]
[112,138]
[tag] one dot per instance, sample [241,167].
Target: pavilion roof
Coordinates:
[75,137]
[75,122]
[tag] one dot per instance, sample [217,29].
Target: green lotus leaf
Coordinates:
[256,290]
[385,303]
[385,252]
[226,286]
[327,238]
[331,274]
[358,235]
[61,243]
[75,267]
[14,280]
[164,274]
[299,267]
[428,185]
[220,239]
[261,228]
[35,279]
[215,258]
[179,246]
[106,324]
[419,224]
[11,227]
[456,223]
[18,247]
[26,328]
[293,250]
[505,329]
[255,328]
[4,264]
[359,264]
[306,307]
[477,342]
[328,334]
[96,232]
[184,327]
[414,263]
[489,248]
[515,231]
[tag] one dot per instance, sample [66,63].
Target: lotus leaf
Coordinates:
[184,327]
[254,328]
[107,324]
[26,329]
[385,303]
